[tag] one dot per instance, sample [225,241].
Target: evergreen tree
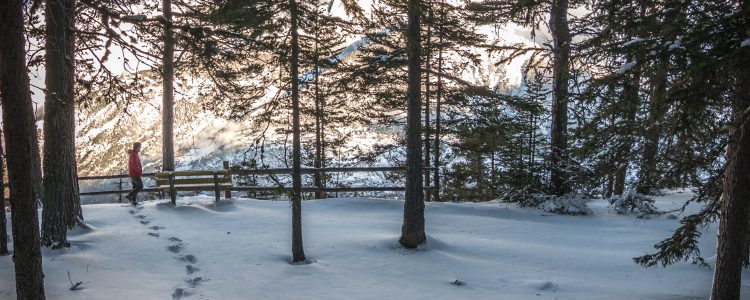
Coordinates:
[62,205]
[167,71]
[3,220]
[412,230]
[734,226]
[532,14]
[298,253]
[21,143]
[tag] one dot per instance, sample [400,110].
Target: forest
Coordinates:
[539,104]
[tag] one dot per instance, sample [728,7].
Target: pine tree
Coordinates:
[531,14]
[167,71]
[21,143]
[734,227]
[62,205]
[298,252]
[412,230]
[3,220]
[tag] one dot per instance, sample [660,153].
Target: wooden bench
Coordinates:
[216,181]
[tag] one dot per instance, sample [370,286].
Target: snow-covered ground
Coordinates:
[240,250]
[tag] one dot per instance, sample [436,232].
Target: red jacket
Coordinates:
[134,164]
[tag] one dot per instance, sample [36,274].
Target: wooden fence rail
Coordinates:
[275,171]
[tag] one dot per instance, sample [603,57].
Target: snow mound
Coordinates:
[632,201]
[566,205]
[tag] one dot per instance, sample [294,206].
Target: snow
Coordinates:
[677,44]
[635,40]
[745,43]
[239,249]
[626,67]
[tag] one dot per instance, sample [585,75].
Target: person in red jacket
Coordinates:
[135,171]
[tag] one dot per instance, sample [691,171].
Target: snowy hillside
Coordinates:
[203,139]
[240,250]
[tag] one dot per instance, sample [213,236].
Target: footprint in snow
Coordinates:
[144,222]
[179,293]
[154,234]
[194,282]
[140,217]
[156,227]
[190,269]
[174,239]
[189,258]
[175,248]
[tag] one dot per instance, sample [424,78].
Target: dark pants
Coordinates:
[137,187]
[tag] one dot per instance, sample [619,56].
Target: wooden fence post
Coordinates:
[228,192]
[172,191]
[216,186]
[119,188]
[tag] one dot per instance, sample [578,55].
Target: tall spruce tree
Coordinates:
[734,227]
[3,220]
[62,205]
[22,144]
[413,228]
[532,14]
[298,252]
[167,71]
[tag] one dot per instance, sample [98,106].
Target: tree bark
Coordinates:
[412,230]
[733,225]
[427,128]
[438,105]
[648,177]
[318,161]
[62,204]
[21,143]
[629,109]
[559,132]
[298,252]
[3,220]
[167,125]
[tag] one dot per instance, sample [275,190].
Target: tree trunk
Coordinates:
[21,142]
[412,230]
[629,109]
[3,220]
[298,252]
[318,161]
[427,91]
[561,55]
[647,178]
[733,224]
[438,96]
[62,205]
[167,123]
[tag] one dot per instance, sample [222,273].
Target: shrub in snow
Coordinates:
[566,205]
[632,201]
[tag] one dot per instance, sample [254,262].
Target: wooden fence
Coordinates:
[123,179]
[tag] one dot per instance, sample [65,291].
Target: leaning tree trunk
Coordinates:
[559,132]
[167,123]
[412,230]
[298,252]
[3,220]
[21,142]
[733,226]
[62,205]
